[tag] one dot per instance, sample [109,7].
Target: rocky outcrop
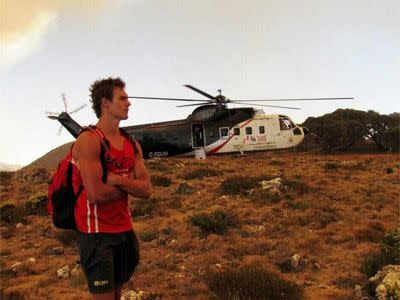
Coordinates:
[387,283]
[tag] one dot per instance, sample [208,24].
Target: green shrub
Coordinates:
[239,185]
[161,180]
[37,204]
[275,162]
[201,173]
[217,221]
[300,205]
[148,236]
[389,170]
[69,238]
[265,196]
[12,214]
[389,253]
[299,187]
[251,282]
[331,165]
[175,202]
[144,207]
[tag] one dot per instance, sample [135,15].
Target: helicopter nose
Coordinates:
[305,130]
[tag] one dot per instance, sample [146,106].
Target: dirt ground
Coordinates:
[332,213]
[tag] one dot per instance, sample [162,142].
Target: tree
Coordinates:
[339,130]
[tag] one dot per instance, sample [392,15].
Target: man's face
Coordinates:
[119,105]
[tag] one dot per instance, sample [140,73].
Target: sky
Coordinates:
[250,49]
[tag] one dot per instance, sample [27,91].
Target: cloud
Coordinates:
[24,24]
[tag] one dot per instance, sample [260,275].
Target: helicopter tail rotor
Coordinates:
[63,116]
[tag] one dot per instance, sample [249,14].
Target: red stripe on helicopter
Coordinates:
[212,151]
[220,146]
[246,123]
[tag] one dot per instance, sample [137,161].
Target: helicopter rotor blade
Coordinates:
[168,99]
[51,113]
[199,91]
[64,101]
[59,130]
[276,106]
[294,99]
[195,104]
[79,108]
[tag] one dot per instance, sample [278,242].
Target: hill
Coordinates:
[51,159]
[211,216]
[9,167]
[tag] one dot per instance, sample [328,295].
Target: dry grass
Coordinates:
[335,211]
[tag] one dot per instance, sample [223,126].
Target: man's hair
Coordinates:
[103,88]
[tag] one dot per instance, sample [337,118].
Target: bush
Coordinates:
[69,238]
[11,214]
[373,232]
[276,162]
[144,207]
[217,222]
[265,196]
[37,204]
[331,165]
[160,180]
[251,282]
[300,188]
[201,173]
[148,236]
[389,254]
[389,170]
[237,185]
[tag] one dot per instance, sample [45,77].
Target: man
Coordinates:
[108,247]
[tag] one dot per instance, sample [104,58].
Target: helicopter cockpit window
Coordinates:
[223,131]
[285,123]
[236,131]
[249,130]
[261,129]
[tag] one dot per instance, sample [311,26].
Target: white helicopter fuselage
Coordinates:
[262,132]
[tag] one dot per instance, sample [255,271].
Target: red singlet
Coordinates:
[113,216]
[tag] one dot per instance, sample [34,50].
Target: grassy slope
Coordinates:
[340,217]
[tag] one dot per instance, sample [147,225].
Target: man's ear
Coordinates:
[104,102]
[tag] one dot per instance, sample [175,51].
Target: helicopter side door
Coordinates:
[198,137]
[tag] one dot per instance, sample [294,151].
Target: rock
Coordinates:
[182,268]
[308,283]
[293,264]
[132,295]
[19,225]
[358,290]
[317,266]
[218,266]
[295,260]
[76,271]
[323,286]
[185,188]
[64,272]
[15,265]
[387,282]
[275,185]
[31,260]
[57,250]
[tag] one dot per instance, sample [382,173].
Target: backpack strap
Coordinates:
[131,140]
[104,148]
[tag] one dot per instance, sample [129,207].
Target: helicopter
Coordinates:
[212,128]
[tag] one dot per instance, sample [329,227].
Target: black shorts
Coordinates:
[108,259]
